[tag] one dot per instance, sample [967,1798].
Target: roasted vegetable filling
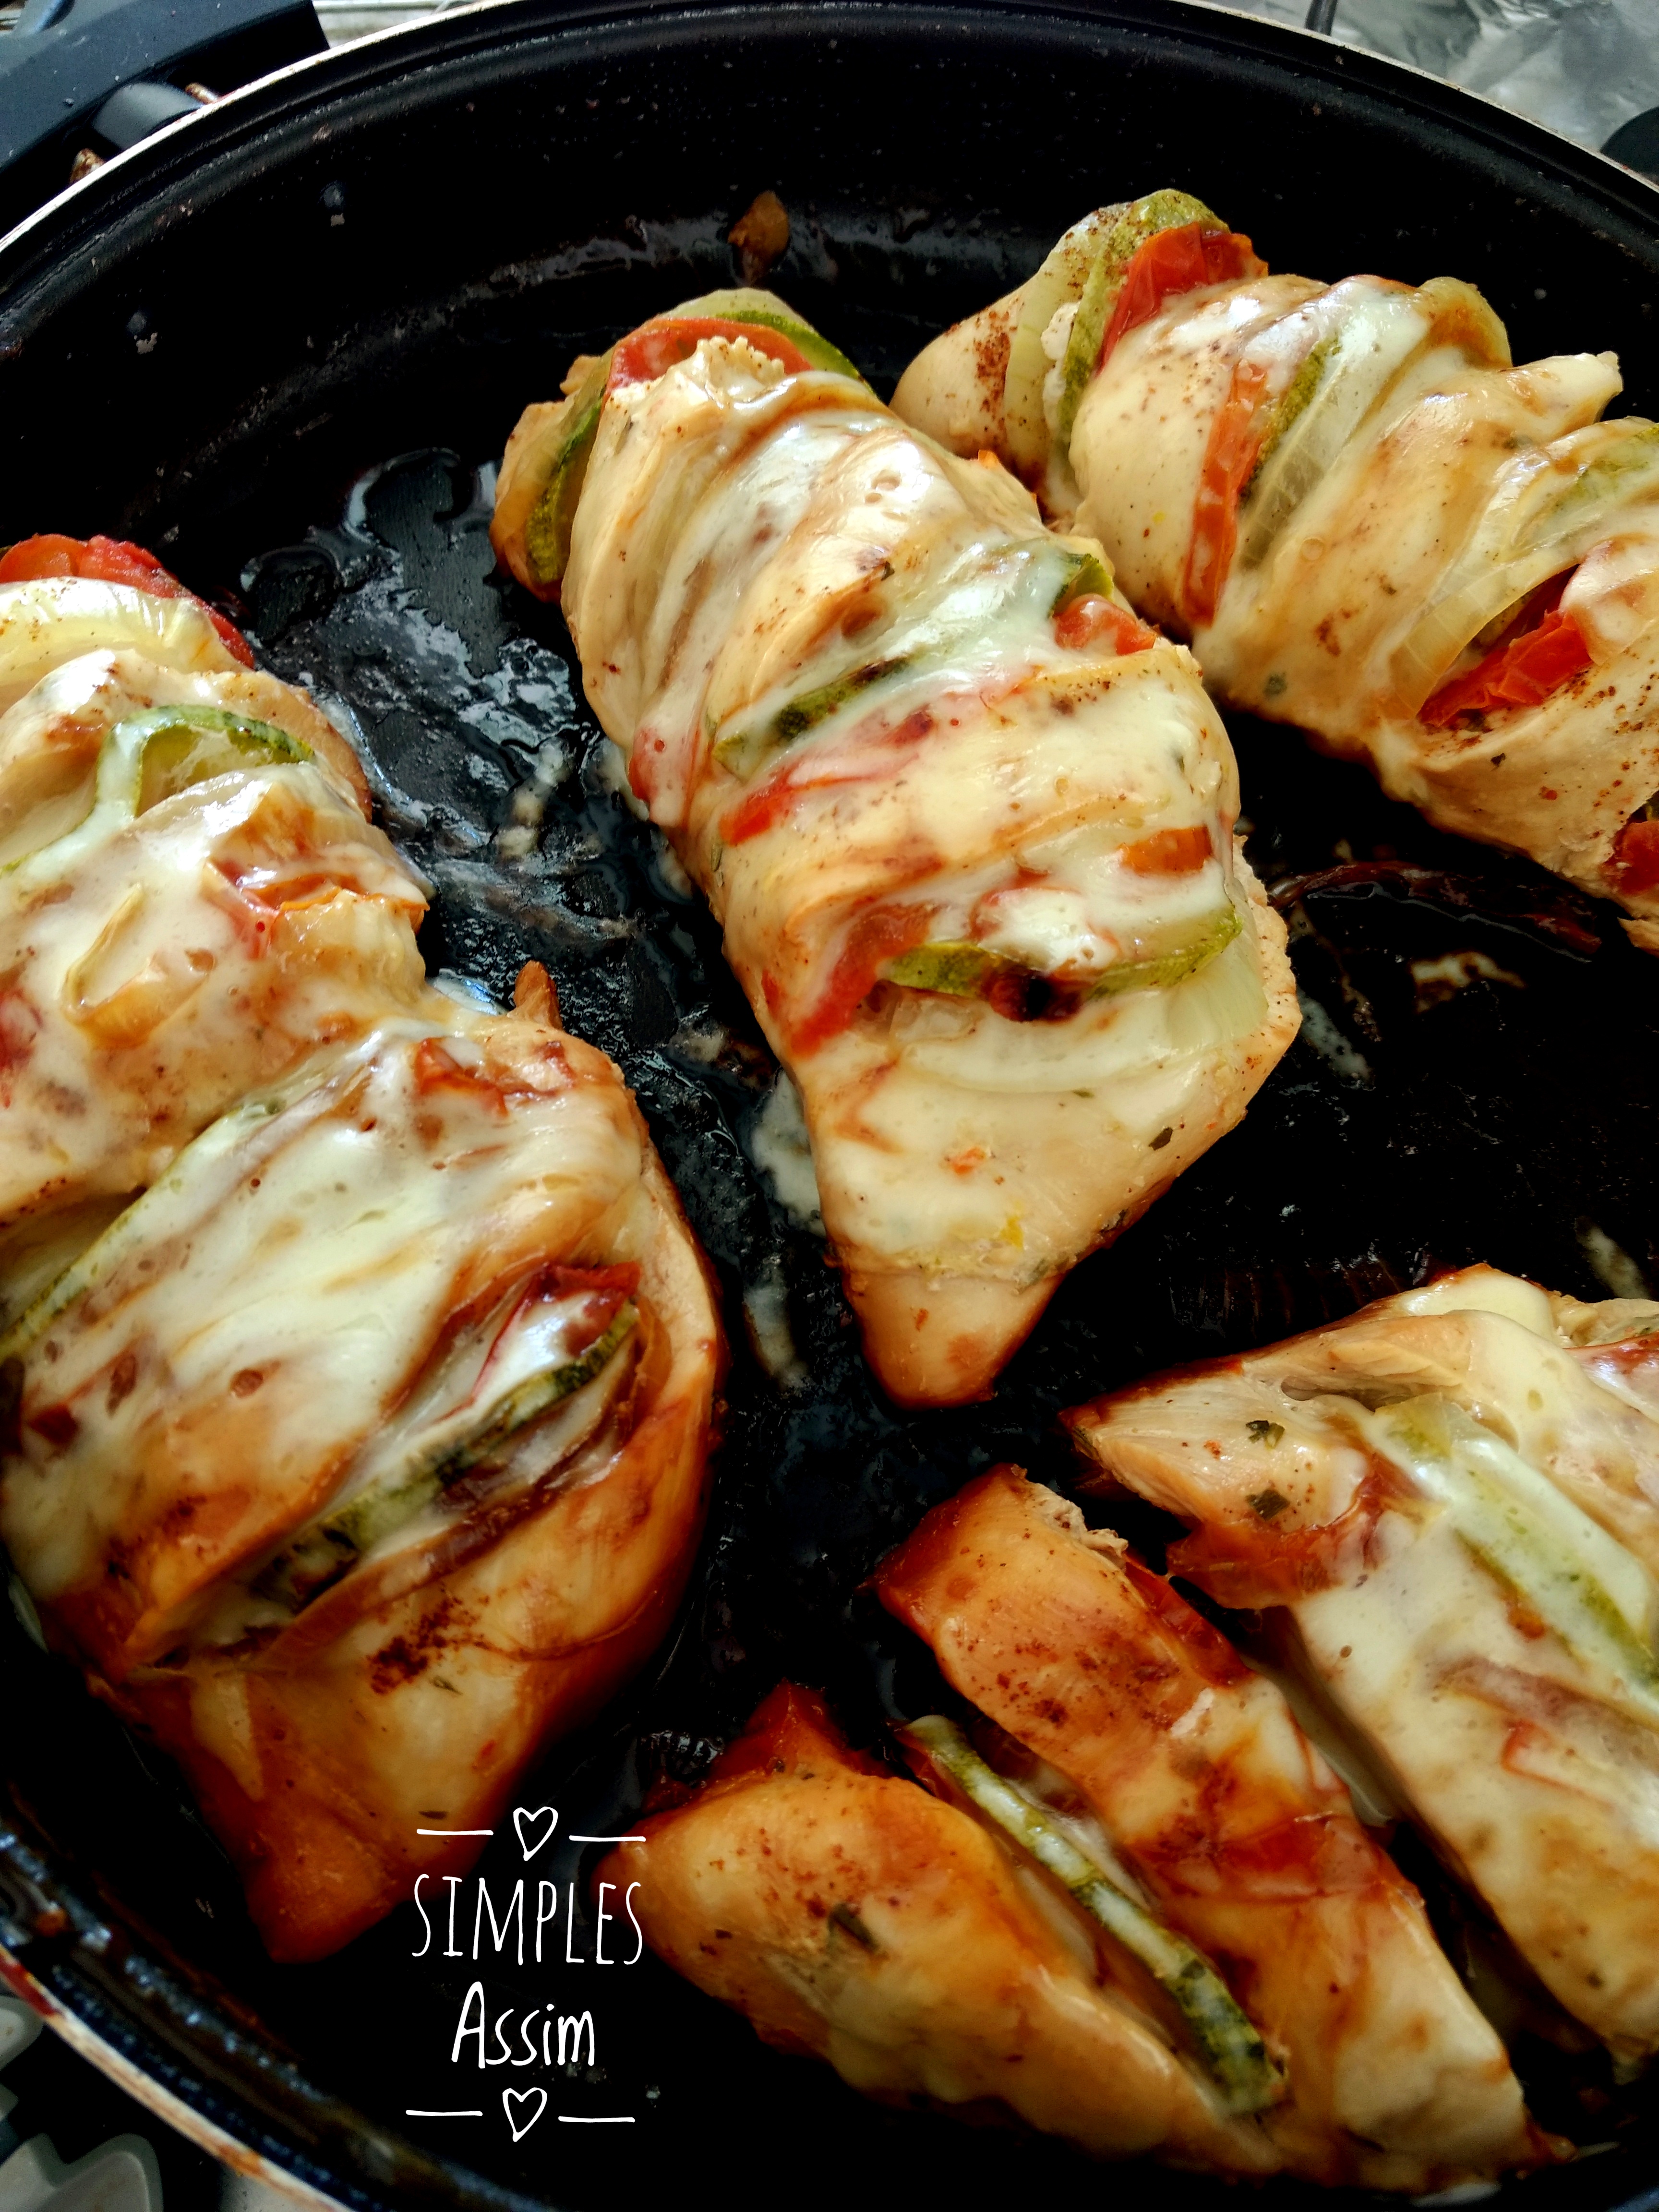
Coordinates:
[1223,2040]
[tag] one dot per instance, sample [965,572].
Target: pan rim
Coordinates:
[345,75]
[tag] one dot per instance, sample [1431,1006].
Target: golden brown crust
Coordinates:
[1243,1837]
[943,1342]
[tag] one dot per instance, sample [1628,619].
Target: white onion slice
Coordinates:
[54,619]
[1613,596]
[1535,526]
[1373,330]
[1059,282]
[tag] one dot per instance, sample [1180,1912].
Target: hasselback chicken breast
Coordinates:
[1208,1896]
[356,1363]
[1368,521]
[1450,1506]
[966,824]
[853,1917]
[1109,1699]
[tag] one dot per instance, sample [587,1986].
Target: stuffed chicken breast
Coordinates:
[966,824]
[853,1917]
[1133,1904]
[1297,1960]
[1451,1504]
[357,1364]
[1367,519]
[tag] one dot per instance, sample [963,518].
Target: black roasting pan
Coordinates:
[281,344]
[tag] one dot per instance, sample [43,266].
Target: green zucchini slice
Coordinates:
[547,533]
[747,304]
[991,593]
[964,970]
[1114,248]
[1227,2043]
[399,1485]
[1530,1537]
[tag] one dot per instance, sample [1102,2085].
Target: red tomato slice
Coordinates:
[1635,863]
[773,799]
[879,934]
[654,347]
[1172,262]
[41,556]
[1168,853]
[607,1292]
[1235,438]
[110,561]
[1534,659]
[1095,620]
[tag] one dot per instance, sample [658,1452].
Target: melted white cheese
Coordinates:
[745,544]
[156,964]
[280,1293]
[58,618]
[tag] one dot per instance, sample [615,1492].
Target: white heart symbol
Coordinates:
[512,2097]
[541,1813]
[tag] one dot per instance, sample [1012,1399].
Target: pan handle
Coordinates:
[84,78]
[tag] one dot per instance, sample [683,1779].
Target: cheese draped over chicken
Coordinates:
[1455,1498]
[356,1361]
[191,902]
[967,824]
[1367,519]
